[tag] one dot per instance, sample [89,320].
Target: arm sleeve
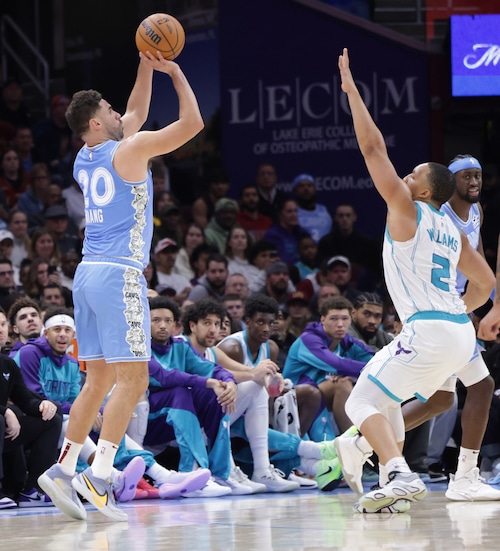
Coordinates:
[169,378]
[314,352]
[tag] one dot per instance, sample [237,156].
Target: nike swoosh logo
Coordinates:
[327,471]
[100,500]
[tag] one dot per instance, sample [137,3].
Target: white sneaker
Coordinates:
[274,480]
[58,486]
[351,460]
[304,482]
[401,506]
[237,475]
[211,489]
[471,487]
[401,487]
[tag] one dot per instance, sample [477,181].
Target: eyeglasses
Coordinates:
[6,273]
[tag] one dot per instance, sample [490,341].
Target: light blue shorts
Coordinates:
[111,311]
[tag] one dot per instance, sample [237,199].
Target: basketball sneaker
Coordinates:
[274,480]
[303,480]
[58,487]
[327,448]
[98,492]
[34,498]
[329,475]
[352,459]
[6,502]
[401,486]
[401,506]
[125,482]
[471,487]
[145,490]
[178,484]
[241,479]
[211,489]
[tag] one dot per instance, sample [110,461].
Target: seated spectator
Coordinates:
[269,195]
[249,216]
[37,279]
[6,244]
[198,260]
[26,421]
[73,199]
[24,146]
[363,252]
[307,264]
[171,224]
[32,202]
[237,247]
[193,237]
[325,291]
[277,283]
[8,293]
[298,308]
[237,284]
[213,283]
[18,226]
[44,246]
[165,254]
[13,181]
[13,109]
[69,263]
[218,187]
[218,227]
[314,218]
[53,294]
[285,234]
[260,256]
[235,307]
[366,321]
[57,222]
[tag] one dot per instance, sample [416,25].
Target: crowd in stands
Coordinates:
[240,290]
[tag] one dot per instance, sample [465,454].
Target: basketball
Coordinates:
[160,32]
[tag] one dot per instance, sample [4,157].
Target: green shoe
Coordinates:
[329,474]
[327,448]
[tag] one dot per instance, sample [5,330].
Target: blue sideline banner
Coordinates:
[282,103]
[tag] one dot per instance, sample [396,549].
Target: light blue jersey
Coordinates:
[421,273]
[118,213]
[241,337]
[471,228]
[317,222]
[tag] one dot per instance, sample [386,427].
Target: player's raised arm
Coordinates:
[391,187]
[139,100]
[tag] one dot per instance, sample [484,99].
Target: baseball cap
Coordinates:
[277,268]
[165,244]
[297,296]
[301,178]
[338,260]
[56,211]
[227,204]
[6,234]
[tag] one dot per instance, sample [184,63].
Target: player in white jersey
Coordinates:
[466,485]
[111,307]
[422,251]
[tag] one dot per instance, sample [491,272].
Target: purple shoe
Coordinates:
[126,481]
[183,483]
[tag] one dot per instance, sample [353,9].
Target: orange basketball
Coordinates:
[162,33]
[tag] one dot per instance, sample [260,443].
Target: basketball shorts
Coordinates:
[111,311]
[422,357]
[475,371]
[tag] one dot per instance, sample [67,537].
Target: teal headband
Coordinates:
[463,164]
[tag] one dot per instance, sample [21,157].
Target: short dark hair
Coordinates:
[5,260]
[19,304]
[367,298]
[260,303]
[335,303]
[57,311]
[84,105]
[217,257]
[261,246]
[199,311]
[160,302]
[442,183]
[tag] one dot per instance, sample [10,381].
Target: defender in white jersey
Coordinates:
[111,310]
[466,485]
[422,251]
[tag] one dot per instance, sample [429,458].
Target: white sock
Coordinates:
[467,460]
[309,465]
[158,473]
[398,464]
[104,459]
[383,475]
[309,449]
[69,456]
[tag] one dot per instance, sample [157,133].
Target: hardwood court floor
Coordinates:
[305,520]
